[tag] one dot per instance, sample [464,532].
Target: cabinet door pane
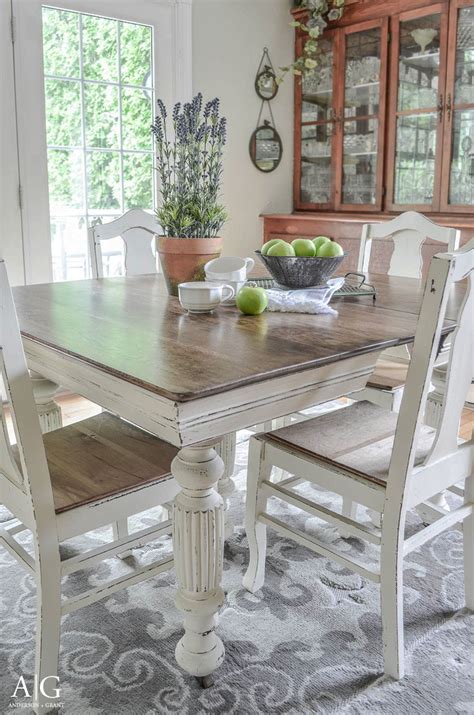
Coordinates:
[362,73]
[360,162]
[317,88]
[316,164]
[415,158]
[417,110]
[461,187]
[361,109]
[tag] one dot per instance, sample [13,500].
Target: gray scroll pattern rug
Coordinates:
[309,642]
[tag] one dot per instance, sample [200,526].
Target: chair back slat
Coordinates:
[32,468]
[445,270]
[408,232]
[136,228]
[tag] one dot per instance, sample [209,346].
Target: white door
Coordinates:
[87,75]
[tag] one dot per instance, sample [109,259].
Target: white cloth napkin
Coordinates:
[307,300]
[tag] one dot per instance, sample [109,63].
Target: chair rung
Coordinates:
[16,550]
[351,526]
[15,526]
[459,491]
[107,589]
[314,545]
[106,551]
[443,523]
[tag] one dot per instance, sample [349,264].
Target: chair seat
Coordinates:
[388,376]
[358,439]
[102,456]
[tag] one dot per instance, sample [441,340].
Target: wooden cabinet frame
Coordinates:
[394,114]
[365,15]
[381,23]
[451,108]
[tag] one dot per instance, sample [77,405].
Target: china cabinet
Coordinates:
[387,123]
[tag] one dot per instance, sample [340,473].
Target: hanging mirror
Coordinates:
[266,84]
[265,147]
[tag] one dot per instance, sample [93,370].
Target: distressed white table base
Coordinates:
[198,543]
[226,451]
[49,412]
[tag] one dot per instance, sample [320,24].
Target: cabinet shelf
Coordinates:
[423,61]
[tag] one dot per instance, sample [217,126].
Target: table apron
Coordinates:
[205,418]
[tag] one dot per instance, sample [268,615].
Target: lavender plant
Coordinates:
[189,163]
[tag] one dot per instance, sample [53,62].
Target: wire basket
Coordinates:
[298,272]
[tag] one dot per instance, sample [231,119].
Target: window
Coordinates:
[98,76]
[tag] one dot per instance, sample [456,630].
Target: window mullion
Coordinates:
[83,121]
[119,74]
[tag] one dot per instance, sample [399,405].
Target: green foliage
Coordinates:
[101,111]
[320,14]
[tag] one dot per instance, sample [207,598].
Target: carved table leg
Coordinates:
[49,411]
[198,543]
[226,451]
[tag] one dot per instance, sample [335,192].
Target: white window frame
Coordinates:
[171,21]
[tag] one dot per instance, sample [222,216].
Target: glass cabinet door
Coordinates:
[362,116]
[315,136]
[417,109]
[459,141]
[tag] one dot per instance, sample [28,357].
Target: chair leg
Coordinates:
[120,529]
[468,535]
[48,628]
[256,501]
[349,508]
[391,591]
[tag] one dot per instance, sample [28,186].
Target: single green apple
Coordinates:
[320,241]
[330,250]
[269,244]
[304,247]
[282,248]
[251,300]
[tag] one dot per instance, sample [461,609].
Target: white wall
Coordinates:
[228,40]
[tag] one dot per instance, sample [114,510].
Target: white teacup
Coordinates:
[229,268]
[236,285]
[203,296]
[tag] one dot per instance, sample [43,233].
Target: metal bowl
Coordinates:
[298,272]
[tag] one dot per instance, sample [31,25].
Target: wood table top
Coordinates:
[130,327]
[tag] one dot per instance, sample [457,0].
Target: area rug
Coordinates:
[309,642]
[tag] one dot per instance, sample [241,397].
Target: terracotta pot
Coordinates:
[183,259]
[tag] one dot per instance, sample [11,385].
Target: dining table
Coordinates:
[128,346]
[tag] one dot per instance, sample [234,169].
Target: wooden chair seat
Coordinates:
[358,438]
[102,456]
[388,376]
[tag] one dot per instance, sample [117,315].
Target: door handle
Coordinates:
[449,107]
[440,107]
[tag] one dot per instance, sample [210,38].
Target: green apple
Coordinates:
[330,250]
[282,248]
[319,241]
[251,300]
[304,247]
[269,244]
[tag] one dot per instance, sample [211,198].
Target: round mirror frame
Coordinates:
[253,147]
[266,72]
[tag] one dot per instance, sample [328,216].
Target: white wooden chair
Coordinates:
[404,463]
[408,232]
[136,228]
[69,482]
